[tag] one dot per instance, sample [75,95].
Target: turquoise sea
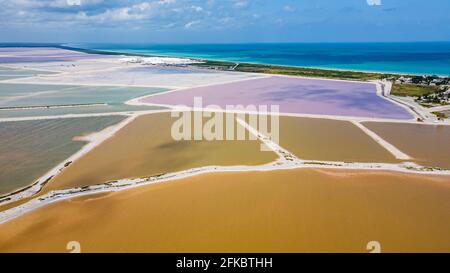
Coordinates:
[412,58]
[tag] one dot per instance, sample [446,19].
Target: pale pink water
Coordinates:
[293,95]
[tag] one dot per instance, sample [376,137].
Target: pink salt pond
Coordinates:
[293,95]
[42,54]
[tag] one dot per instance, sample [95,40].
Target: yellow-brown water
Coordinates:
[302,210]
[330,140]
[429,145]
[145,147]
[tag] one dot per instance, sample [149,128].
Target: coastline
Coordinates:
[253,62]
[37,186]
[286,160]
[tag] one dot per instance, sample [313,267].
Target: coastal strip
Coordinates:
[385,88]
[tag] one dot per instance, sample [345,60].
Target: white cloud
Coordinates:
[288,8]
[197,8]
[74,2]
[135,12]
[191,24]
[142,6]
[226,20]
[240,4]
[374,2]
[145,14]
[165,2]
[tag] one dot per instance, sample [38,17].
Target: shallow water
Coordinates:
[9,77]
[21,72]
[429,145]
[145,147]
[28,149]
[299,210]
[41,55]
[292,95]
[23,95]
[330,140]
[110,108]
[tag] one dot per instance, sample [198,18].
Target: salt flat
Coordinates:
[92,69]
[7,73]
[41,54]
[262,203]
[138,75]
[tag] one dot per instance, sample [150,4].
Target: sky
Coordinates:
[223,21]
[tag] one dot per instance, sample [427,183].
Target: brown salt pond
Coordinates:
[302,210]
[330,140]
[429,145]
[145,147]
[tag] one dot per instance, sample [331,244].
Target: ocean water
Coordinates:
[412,58]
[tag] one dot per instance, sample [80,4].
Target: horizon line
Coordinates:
[214,43]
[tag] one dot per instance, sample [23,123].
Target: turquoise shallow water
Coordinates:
[411,58]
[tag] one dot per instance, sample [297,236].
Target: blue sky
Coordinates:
[223,21]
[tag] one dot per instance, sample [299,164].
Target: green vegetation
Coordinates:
[412,90]
[287,70]
[293,71]
[442,115]
[404,85]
